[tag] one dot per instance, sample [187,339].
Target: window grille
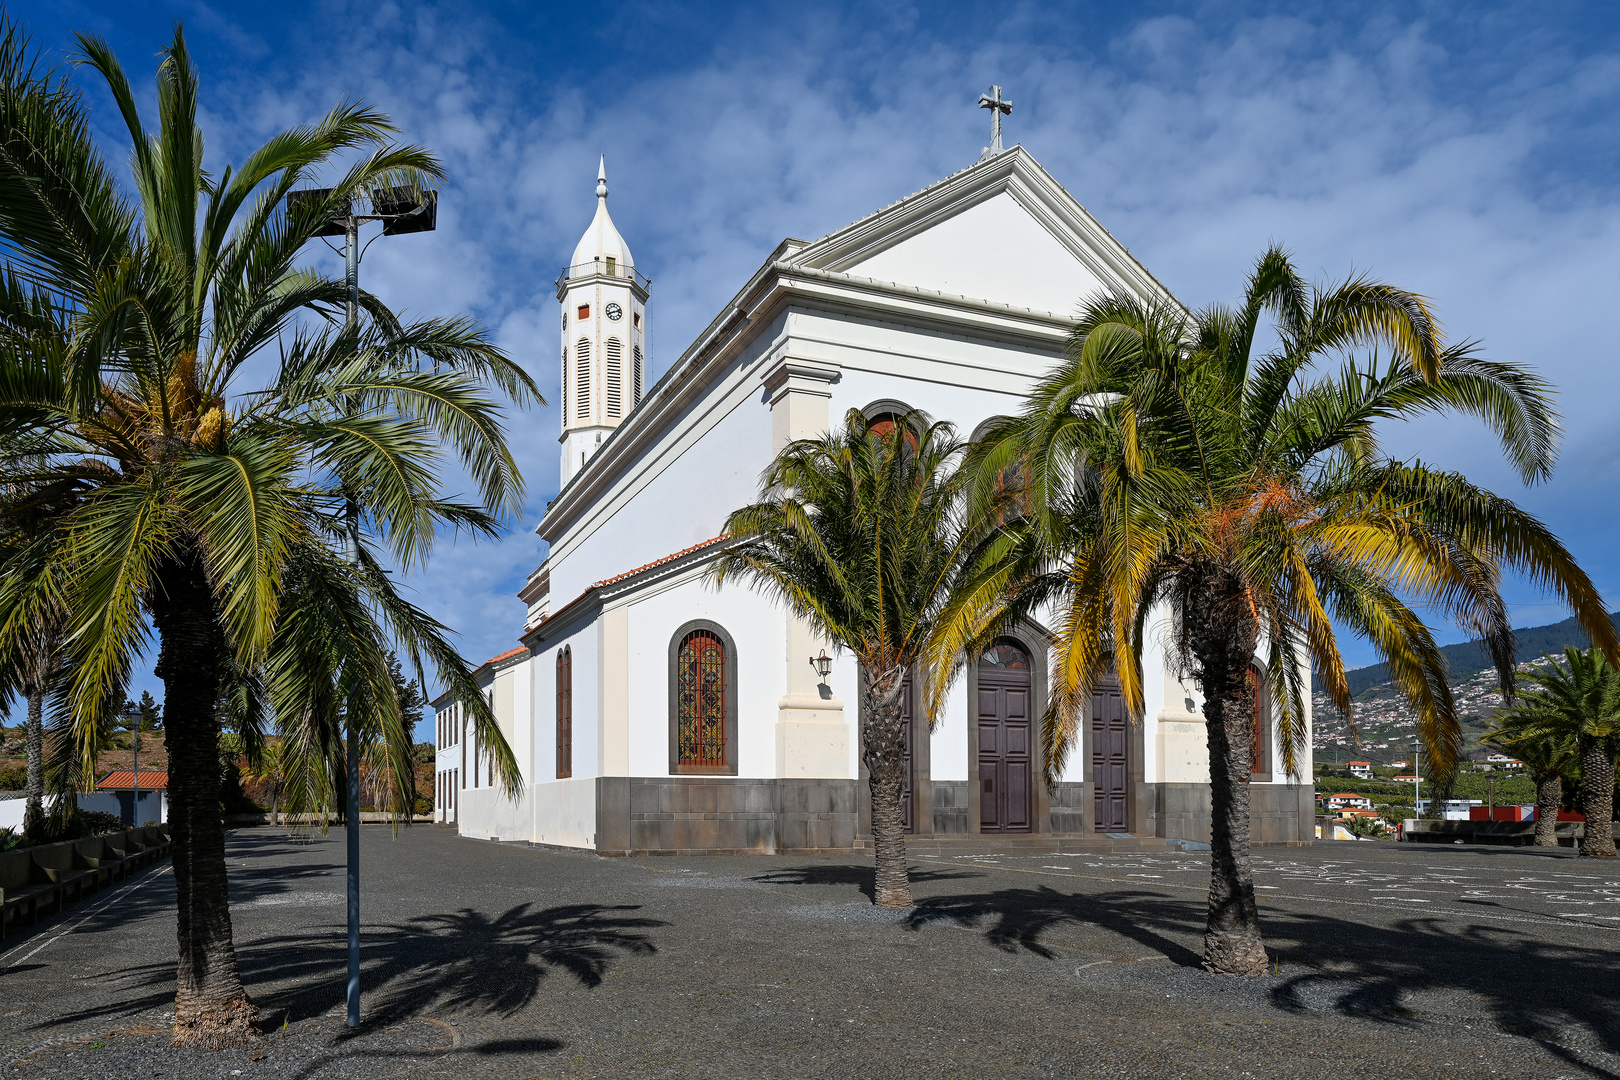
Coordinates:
[565,382]
[701,701]
[615,378]
[582,371]
[637,382]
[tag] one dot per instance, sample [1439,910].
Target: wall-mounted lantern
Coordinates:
[822,664]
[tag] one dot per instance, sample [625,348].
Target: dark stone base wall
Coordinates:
[1071,809]
[951,807]
[692,815]
[1278,813]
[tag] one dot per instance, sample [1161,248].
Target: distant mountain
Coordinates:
[1470,657]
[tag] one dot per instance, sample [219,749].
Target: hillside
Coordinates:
[1386,726]
[1470,657]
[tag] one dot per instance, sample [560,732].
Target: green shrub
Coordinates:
[13,777]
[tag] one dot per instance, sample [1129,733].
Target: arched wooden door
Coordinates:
[1006,739]
[1110,760]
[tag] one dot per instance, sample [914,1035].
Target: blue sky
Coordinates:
[1464,151]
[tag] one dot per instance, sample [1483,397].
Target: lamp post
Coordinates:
[401,210]
[1417,776]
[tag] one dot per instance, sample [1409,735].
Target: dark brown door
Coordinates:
[1006,739]
[1110,758]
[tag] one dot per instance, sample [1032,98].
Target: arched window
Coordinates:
[703,700]
[1010,478]
[615,378]
[636,374]
[582,391]
[882,416]
[1260,737]
[565,713]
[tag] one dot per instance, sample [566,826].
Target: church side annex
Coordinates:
[653,714]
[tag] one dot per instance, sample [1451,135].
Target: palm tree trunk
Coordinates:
[34,811]
[211,1009]
[884,751]
[1223,640]
[1597,798]
[1549,798]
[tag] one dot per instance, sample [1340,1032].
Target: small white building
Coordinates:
[1363,769]
[1349,801]
[652,713]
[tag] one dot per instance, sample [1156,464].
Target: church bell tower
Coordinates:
[604,335]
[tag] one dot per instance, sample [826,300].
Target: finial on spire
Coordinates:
[998,108]
[601,178]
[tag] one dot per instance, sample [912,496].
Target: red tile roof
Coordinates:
[507,655]
[124,780]
[615,579]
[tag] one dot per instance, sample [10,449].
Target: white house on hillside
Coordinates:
[651,713]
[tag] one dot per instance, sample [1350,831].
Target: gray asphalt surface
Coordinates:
[504,960]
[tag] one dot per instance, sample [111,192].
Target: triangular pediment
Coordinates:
[1002,231]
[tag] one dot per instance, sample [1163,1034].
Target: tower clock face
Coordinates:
[614,312]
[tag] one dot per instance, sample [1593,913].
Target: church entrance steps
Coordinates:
[947,846]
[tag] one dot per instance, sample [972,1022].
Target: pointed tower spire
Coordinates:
[604,335]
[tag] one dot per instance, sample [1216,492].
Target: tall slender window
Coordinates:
[565,713]
[701,701]
[582,391]
[615,378]
[565,383]
[1260,759]
[636,374]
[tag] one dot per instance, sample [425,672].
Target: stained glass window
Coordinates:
[701,690]
[1005,655]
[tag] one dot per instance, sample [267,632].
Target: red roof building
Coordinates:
[124,780]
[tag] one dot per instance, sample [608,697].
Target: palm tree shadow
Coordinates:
[1017,919]
[862,877]
[465,960]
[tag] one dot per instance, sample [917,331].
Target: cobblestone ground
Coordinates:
[503,960]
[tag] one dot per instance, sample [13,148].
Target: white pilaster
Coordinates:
[812,734]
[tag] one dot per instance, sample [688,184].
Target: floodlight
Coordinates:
[405,211]
[310,201]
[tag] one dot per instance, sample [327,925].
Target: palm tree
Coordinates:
[224,443]
[1174,470]
[1549,756]
[862,534]
[1576,704]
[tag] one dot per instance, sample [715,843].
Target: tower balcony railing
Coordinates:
[603,267]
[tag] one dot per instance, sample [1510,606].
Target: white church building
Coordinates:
[652,713]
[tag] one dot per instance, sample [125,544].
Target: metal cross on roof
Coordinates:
[998,108]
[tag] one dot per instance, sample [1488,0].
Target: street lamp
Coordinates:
[401,210]
[1417,776]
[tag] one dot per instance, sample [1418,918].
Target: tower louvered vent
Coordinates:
[582,391]
[637,383]
[615,378]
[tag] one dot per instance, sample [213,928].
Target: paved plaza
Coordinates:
[503,960]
